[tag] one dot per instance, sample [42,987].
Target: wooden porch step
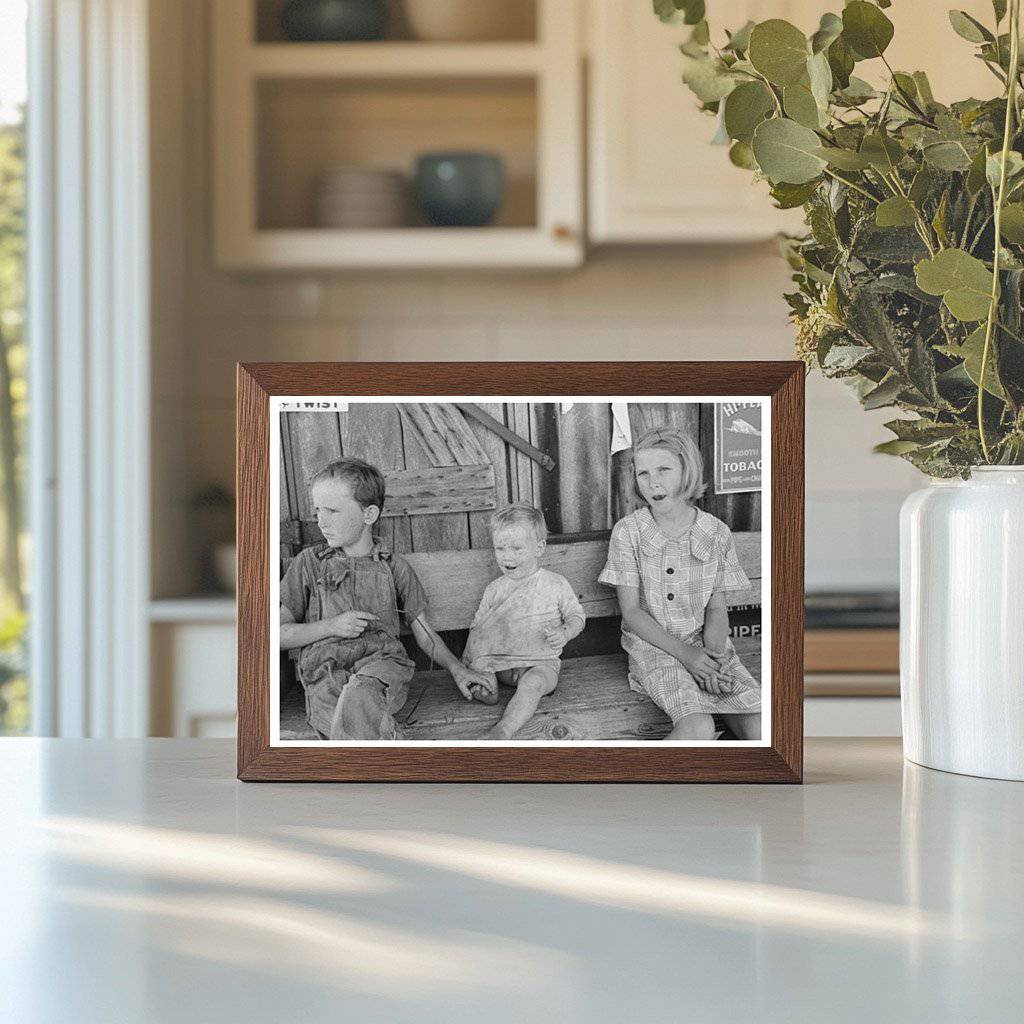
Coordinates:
[593,701]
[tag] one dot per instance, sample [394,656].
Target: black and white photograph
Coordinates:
[528,571]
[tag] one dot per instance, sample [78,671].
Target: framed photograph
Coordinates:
[577,572]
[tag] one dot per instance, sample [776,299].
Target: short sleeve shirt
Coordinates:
[676,576]
[322,581]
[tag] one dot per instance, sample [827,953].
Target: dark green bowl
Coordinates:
[460,189]
[334,21]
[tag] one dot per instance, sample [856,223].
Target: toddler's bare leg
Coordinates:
[745,727]
[694,727]
[533,684]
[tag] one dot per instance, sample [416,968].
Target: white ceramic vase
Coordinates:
[962,624]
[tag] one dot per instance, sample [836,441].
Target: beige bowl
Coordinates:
[362,198]
[471,20]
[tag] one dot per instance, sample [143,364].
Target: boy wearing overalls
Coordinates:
[342,603]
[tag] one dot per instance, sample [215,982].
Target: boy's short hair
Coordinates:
[673,440]
[366,481]
[516,515]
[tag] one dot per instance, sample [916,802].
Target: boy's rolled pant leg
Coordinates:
[377,687]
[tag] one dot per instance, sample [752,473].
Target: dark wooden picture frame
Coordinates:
[781,760]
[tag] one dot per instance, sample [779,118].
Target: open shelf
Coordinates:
[388,60]
[287,114]
[519,24]
[308,127]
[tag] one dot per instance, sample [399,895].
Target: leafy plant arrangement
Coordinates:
[901,289]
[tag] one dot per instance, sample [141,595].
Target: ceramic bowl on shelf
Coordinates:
[362,197]
[460,189]
[334,21]
[470,20]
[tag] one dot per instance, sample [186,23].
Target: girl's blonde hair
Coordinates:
[675,441]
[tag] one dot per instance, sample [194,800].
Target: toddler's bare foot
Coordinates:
[482,694]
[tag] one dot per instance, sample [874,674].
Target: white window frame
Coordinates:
[88,332]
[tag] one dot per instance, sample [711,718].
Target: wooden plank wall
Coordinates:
[586,492]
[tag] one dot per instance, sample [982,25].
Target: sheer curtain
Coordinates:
[88,301]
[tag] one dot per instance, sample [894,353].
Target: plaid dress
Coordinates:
[676,577]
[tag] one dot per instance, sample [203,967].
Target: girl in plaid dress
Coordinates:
[671,565]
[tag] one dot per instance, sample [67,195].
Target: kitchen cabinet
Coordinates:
[287,114]
[653,175]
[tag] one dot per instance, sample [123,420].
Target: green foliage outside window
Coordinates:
[13,412]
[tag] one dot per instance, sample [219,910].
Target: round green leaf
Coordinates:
[883,152]
[745,108]
[972,351]
[787,152]
[947,156]
[690,12]
[801,106]
[963,281]
[740,39]
[1011,226]
[820,77]
[895,212]
[741,155]
[896,447]
[858,91]
[788,197]
[844,159]
[829,29]
[840,62]
[866,29]
[707,79]
[779,51]
[968,28]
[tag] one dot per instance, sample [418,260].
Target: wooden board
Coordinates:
[442,433]
[288,508]
[495,450]
[375,434]
[314,441]
[437,490]
[445,531]
[455,584]
[593,701]
[582,482]
[544,437]
[519,418]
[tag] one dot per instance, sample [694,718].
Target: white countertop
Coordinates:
[140,882]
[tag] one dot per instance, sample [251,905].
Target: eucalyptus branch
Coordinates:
[1011,109]
[853,185]
[909,100]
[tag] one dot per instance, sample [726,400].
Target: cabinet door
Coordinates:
[654,176]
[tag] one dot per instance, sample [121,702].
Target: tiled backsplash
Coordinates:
[715,303]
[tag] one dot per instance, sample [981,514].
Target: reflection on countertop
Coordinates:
[147,884]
